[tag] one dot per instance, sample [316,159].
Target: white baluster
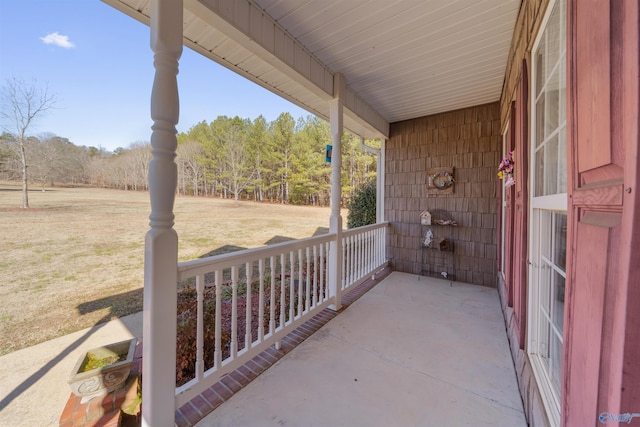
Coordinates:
[247,333]
[161,242]
[217,349]
[323,272]
[382,241]
[346,255]
[353,247]
[261,300]
[372,250]
[366,268]
[291,287]
[307,281]
[370,256]
[200,328]
[376,244]
[272,296]
[316,266]
[301,279]
[353,254]
[282,295]
[343,249]
[362,261]
[357,264]
[234,312]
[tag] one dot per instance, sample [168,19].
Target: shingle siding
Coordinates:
[469,141]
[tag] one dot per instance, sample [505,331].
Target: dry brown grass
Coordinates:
[75,258]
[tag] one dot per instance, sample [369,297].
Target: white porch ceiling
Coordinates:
[400,59]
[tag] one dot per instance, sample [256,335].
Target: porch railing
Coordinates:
[236,305]
[363,252]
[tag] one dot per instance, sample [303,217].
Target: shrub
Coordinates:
[362,208]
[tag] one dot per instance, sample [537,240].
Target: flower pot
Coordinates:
[102,369]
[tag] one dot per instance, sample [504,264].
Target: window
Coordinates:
[548,226]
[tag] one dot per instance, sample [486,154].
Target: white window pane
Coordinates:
[552,105]
[554,41]
[563,91]
[551,167]
[545,288]
[558,301]
[543,338]
[540,66]
[540,120]
[555,360]
[562,162]
[545,238]
[560,241]
[539,172]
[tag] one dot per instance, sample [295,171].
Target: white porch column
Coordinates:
[161,243]
[380,187]
[335,223]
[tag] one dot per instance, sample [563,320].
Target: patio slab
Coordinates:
[413,351]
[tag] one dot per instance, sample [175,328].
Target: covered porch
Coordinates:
[410,351]
[369,68]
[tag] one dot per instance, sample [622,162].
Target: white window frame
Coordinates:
[553,203]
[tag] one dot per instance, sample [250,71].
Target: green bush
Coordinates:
[362,207]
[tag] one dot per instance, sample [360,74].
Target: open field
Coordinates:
[75,258]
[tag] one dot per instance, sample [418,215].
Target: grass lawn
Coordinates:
[75,258]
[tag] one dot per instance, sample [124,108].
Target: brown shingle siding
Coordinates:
[469,141]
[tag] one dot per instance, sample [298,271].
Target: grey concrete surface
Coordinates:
[413,351]
[33,381]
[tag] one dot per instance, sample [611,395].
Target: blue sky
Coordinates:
[98,63]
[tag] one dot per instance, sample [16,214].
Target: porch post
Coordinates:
[380,187]
[161,242]
[335,223]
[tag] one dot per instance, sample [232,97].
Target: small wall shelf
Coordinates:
[437,236]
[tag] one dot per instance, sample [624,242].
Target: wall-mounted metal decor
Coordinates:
[440,181]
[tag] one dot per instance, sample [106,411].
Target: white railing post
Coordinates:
[161,242]
[335,223]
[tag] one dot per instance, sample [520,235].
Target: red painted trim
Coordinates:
[510,199]
[601,371]
[520,242]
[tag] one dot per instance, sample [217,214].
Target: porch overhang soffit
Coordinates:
[240,36]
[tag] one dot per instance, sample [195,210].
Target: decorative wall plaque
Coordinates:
[440,181]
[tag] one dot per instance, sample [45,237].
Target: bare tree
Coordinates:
[235,155]
[190,155]
[22,104]
[138,158]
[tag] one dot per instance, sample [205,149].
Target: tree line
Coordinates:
[282,161]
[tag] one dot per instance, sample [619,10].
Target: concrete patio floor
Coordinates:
[413,351]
